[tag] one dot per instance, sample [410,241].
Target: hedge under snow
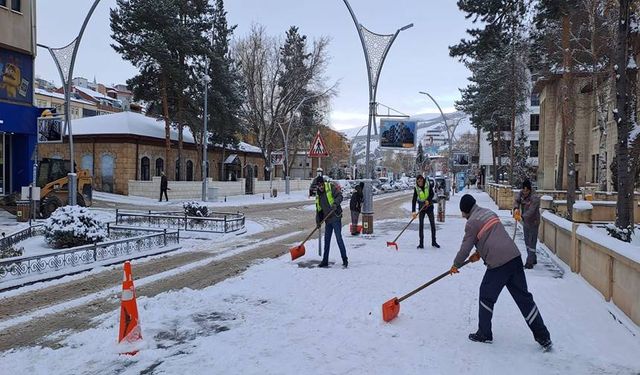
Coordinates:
[70,226]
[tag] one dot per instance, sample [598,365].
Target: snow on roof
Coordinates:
[126,123]
[131,123]
[231,158]
[60,96]
[243,146]
[93,93]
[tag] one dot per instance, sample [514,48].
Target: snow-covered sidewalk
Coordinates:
[279,318]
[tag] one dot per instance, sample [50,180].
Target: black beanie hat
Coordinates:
[466,203]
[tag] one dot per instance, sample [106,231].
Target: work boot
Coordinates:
[479,337]
[323,265]
[435,244]
[531,260]
[420,246]
[345,263]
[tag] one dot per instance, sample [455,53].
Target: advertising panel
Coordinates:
[16,77]
[398,134]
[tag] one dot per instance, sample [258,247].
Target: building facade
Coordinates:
[18,115]
[587,134]
[125,146]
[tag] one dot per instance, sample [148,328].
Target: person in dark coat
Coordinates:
[163,187]
[355,204]
[328,200]
[422,195]
[485,232]
[526,206]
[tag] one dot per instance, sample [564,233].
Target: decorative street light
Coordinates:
[375,47]
[65,59]
[351,151]
[449,135]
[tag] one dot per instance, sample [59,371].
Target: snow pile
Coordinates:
[546,198]
[582,206]
[194,208]
[71,226]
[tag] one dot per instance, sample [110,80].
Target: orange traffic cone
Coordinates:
[129,328]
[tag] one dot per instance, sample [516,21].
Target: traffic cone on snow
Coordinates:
[129,328]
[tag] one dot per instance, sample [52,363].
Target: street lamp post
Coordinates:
[351,150]
[375,47]
[205,135]
[446,125]
[65,59]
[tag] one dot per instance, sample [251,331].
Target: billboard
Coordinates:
[50,129]
[398,134]
[16,77]
[461,159]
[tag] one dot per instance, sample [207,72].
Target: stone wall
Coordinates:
[610,266]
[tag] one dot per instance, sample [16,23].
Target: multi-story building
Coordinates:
[530,122]
[79,107]
[18,115]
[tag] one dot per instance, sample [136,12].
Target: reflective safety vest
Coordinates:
[327,190]
[423,195]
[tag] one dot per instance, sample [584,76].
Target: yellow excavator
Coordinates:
[54,185]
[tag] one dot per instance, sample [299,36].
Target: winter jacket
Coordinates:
[485,231]
[529,208]
[325,207]
[415,198]
[355,203]
[163,183]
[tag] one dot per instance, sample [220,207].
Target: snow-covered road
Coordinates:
[279,318]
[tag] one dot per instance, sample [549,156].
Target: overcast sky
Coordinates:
[418,61]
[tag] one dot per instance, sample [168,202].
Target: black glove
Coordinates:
[334,207]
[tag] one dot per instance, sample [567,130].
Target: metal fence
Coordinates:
[7,242]
[216,222]
[68,259]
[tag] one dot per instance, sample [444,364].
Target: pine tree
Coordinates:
[522,167]
[163,39]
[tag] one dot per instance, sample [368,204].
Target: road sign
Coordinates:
[277,158]
[318,148]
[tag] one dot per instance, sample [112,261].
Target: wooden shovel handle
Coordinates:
[429,283]
[410,221]
[316,228]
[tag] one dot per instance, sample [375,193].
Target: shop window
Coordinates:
[177,169]
[159,166]
[3,3]
[189,170]
[15,5]
[145,169]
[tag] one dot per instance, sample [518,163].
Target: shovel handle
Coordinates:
[410,221]
[429,283]
[316,228]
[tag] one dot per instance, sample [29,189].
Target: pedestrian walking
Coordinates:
[328,199]
[526,207]
[355,204]
[504,268]
[163,187]
[423,194]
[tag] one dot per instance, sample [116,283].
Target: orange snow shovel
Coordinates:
[298,251]
[393,243]
[391,308]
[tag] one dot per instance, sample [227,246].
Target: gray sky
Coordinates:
[418,61]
